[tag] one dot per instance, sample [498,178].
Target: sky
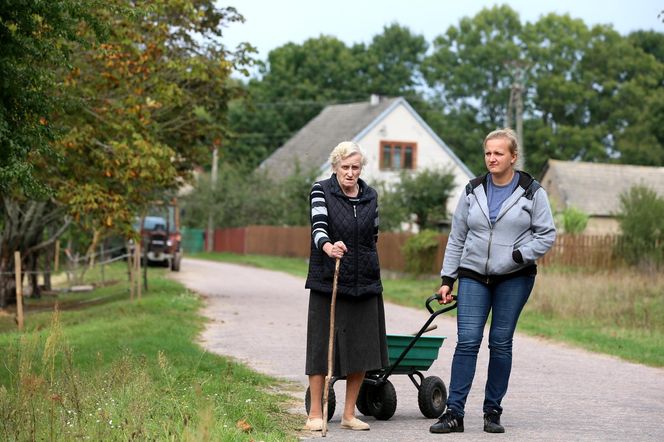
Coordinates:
[273,23]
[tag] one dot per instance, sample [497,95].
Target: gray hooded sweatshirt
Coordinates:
[523,232]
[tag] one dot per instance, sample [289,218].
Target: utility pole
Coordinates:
[515,106]
[213,186]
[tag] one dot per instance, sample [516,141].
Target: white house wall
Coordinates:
[401,125]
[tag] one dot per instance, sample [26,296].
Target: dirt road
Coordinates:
[556,392]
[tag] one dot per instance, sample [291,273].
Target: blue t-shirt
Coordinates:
[498,194]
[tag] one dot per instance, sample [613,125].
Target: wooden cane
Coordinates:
[330,346]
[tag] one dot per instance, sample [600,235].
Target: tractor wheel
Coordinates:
[175,262]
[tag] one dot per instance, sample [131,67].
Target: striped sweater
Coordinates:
[319,217]
[336,217]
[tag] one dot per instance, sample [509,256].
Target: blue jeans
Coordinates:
[475,299]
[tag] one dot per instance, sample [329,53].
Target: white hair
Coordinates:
[345,149]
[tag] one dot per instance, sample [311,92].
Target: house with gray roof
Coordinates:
[595,189]
[392,134]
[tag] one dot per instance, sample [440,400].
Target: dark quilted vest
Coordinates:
[352,223]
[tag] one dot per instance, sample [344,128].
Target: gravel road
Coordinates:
[556,392]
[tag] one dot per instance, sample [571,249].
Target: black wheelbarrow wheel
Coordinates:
[432,397]
[361,402]
[331,402]
[381,400]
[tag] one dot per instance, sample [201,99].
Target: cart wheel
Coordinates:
[432,397]
[361,402]
[381,401]
[331,402]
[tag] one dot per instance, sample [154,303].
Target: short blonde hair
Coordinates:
[507,134]
[343,150]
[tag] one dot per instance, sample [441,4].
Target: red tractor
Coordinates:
[160,237]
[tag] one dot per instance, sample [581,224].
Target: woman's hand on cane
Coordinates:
[336,250]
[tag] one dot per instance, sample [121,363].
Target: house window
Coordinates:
[397,155]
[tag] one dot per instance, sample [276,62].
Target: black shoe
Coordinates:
[492,422]
[448,423]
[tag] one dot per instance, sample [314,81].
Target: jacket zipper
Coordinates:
[486,267]
[488,253]
[356,249]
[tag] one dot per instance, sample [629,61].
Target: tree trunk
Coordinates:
[23,227]
[7,282]
[48,267]
[33,276]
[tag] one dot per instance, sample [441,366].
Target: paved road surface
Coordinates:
[556,392]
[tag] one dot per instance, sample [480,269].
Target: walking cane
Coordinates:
[330,346]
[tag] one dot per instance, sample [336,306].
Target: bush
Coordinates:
[242,197]
[574,220]
[425,194]
[420,252]
[642,225]
[419,197]
[391,209]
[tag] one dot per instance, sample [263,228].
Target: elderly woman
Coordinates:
[344,224]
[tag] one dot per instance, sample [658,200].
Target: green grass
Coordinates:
[632,344]
[620,313]
[122,370]
[292,266]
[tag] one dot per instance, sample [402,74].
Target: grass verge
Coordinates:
[619,313]
[122,370]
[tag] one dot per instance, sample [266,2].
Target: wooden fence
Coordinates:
[593,252]
[588,251]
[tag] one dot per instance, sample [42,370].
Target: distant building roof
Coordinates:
[312,144]
[595,188]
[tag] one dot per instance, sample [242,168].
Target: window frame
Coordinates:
[392,145]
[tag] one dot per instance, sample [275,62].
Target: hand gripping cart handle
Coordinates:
[434,314]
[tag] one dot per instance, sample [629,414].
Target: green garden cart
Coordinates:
[409,355]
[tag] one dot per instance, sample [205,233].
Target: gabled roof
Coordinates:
[595,188]
[312,144]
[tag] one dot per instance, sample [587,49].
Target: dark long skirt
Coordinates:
[359,344]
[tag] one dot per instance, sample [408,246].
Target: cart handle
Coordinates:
[437,297]
[417,336]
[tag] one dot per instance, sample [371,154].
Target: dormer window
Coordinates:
[398,155]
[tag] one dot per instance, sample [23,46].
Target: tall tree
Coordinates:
[650,42]
[558,93]
[35,37]
[149,103]
[391,62]
[298,80]
[152,103]
[597,95]
[589,93]
[471,72]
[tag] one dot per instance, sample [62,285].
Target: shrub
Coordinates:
[425,195]
[574,220]
[642,225]
[391,209]
[420,252]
